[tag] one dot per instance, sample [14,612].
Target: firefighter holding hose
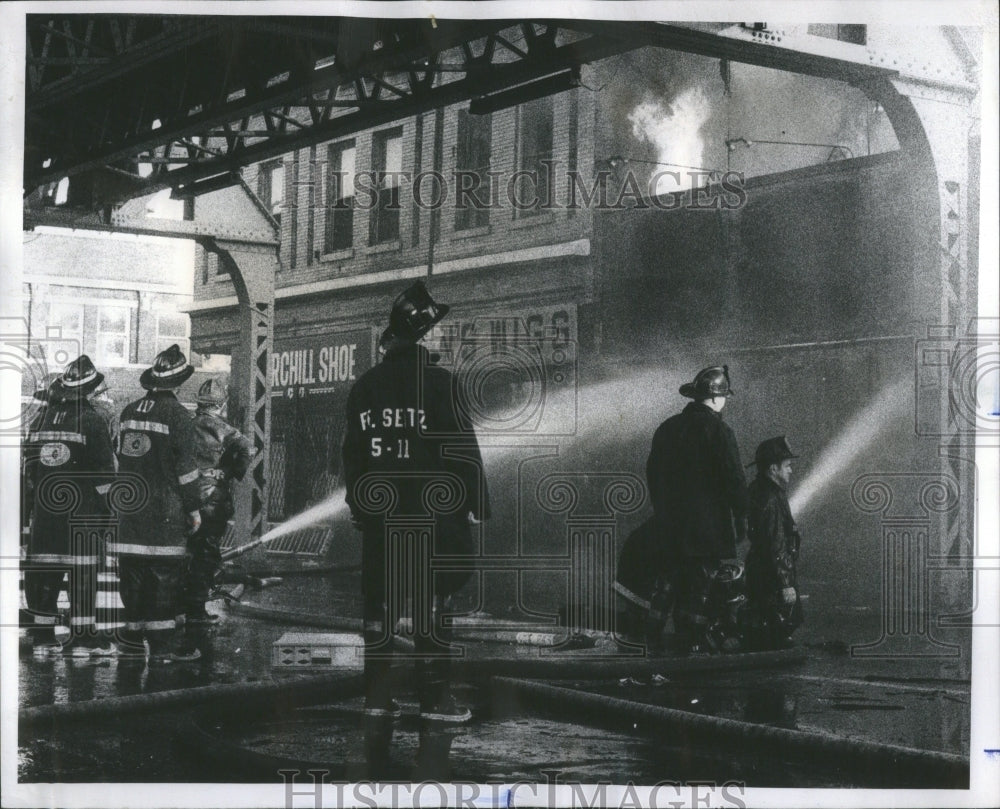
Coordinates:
[223,455]
[404,447]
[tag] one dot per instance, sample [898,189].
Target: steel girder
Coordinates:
[197,100]
[142,103]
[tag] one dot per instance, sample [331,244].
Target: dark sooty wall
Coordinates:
[821,255]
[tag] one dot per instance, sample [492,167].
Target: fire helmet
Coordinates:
[212,392]
[773,450]
[415,312]
[79,379]
[170,370]
[709,382]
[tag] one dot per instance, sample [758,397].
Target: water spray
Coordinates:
[328,509]
[859,435]
[603,417]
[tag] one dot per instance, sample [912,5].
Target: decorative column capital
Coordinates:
[616,493]
[905,496]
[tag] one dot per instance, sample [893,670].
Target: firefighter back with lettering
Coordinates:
[69,461]
[223,455]
[410,468]
[157,442]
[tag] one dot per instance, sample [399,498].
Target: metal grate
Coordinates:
[307,542]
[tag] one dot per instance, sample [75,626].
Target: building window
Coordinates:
[340,197]
[113,335]
[271,187]
[173,328]
[387,160]
[68,345]
[535,124]
[472,162]
[68,318]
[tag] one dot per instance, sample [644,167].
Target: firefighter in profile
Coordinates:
[69,462]
[410,467]
[223,455]
[699,495]
[774,604]
[157,441]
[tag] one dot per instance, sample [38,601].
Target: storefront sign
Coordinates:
[553,328]
[324,365]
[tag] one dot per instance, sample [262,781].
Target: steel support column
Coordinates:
[231,222]
[932,121]
[252,268]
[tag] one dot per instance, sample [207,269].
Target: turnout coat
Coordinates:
[646,556]
[157,442]
[696,483]
[406,455]
[402,424]
[69,462]
[774,539]
[222,454]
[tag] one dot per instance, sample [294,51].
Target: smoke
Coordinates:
[860,435]
[675,130]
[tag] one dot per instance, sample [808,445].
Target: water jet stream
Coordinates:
[859,435]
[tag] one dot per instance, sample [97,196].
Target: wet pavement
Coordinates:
[914,702]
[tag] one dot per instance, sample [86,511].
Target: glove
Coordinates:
[473,520]
[788,596]
[194,522]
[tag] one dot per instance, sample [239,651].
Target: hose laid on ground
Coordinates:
[591,665]
[241,696]
[682,727]
[354,625]
[550,660]
[291,572]
[296,618]
[338,685]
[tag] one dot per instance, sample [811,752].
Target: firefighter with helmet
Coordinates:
[405,436]
[69,461]
[223,455]
[699,496]
[157,441]
[775,606]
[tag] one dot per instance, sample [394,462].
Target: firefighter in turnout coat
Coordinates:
[775,607]
[70,465]
[404,437]
[223,455]
[643,587]
[699,495]
[157,442]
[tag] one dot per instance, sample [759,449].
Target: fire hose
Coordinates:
[325,687]
[233,553]
[685,728]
